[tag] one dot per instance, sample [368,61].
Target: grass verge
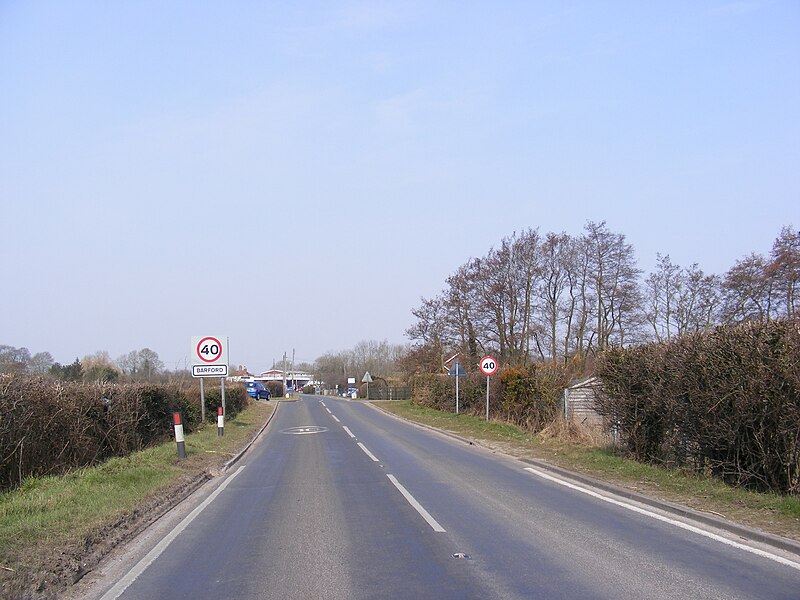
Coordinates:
[577,451]
[48,513]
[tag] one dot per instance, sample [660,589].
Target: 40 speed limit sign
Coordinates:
[488,366]
[209,355]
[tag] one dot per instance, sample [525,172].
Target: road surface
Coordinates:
[339,500]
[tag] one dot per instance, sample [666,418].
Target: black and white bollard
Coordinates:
[220,423]
[179,436]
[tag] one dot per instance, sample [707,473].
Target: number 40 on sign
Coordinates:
[488,366]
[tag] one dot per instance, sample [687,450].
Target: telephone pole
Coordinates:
[284,373]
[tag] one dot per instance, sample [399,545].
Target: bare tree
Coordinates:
[506,281]
[462,312]
[614,281]
[41,362]
[140,364]
[784,271]
[581,303]
[556,277]
[14,360]
[747,291]
[663,286]
[698,301]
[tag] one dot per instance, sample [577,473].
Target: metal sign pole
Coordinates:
[202,402]
[222,393]
[487,398]
[456,388]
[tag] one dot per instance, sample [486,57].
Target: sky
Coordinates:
[298,175]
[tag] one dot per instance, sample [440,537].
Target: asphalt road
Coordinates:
[339,500]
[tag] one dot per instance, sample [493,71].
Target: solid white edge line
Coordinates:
[139,568]
[348,432]
[658,517]
[367,452]
[417,506]
[335,419]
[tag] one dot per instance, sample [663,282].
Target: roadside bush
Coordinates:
[726,403]
[49,427]
[529,398]
[236,400]
[275,388]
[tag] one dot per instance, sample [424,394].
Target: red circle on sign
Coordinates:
[216,356]
[488,365]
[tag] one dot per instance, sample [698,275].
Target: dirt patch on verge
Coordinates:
[44,572]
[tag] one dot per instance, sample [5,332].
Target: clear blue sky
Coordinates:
[299,174]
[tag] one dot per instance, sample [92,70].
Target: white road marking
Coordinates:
[417,506]
[139,568]
[367,452]
[658,517]
[329,410]
[350,433]
[335,419]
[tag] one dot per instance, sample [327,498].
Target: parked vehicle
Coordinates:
[258,390]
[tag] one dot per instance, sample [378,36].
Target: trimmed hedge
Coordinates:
[49,427]
[725,403]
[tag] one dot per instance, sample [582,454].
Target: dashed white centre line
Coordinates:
[335,419]
[367,452]
[687,527]
[417,506]
[329,410]
[347,431]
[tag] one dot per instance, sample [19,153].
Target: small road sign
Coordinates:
[488,366]
[457,370]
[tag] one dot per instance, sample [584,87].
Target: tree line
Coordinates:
[558,297]
[136,365]
[380,358]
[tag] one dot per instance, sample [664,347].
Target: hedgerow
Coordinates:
[529,398]
[49,427]
[725,403]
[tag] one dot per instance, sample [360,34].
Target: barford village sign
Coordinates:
[209,356]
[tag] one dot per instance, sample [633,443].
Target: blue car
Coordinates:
[258,390]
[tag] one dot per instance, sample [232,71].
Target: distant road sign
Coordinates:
[457,370]
[367,378]
[488,366]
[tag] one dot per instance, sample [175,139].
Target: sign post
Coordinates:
[367,379]
[457,371]
[488,367]
[210,359]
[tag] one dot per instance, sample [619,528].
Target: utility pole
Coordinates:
[284,373]
[294,377]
